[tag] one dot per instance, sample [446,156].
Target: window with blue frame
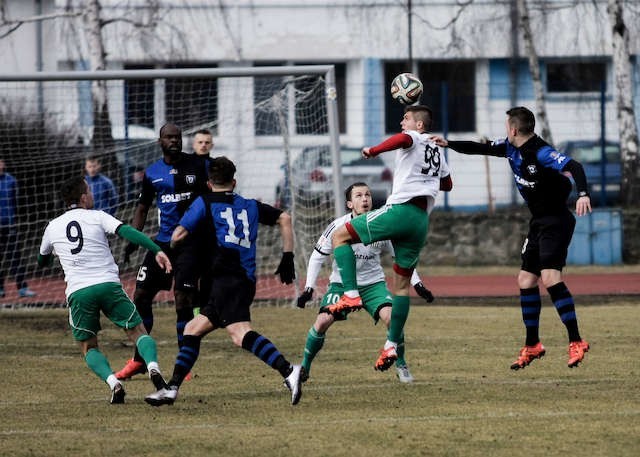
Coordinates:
[449,90]
[500,71]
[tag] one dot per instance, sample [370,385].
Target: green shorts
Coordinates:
[405,224]
[374,297]
[109,297]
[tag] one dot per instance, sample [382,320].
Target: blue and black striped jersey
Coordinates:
[537,170]
[174,186]
[232,229]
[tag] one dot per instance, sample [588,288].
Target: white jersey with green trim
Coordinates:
[418,170]
[368,268]
[79,239]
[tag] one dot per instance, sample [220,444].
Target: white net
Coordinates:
[261,122]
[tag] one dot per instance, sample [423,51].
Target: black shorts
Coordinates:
[186,268]
[230,300]
[547,242]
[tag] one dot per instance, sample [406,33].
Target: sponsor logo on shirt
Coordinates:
[175,198]
[523,182]
[190,179]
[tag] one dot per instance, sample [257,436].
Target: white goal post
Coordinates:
[262,118]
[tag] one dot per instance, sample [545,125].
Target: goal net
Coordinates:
[266,119]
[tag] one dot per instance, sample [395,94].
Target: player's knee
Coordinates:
[237,333]
[384,314]
[323,322]
[550,277]
[236,338]
[527,280]
[341,236]
[143,300]
[184,299]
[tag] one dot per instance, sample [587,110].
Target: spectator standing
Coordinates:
[104,192]
[10,256]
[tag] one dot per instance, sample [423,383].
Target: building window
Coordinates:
[139,99]
[500,77]
[192,103]
[456,113]
[575,76]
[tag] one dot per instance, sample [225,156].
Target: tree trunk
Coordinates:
[102,139]
[534,68]
[627,126]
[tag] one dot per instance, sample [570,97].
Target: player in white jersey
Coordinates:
[370,278]
[420,172]
[78,238]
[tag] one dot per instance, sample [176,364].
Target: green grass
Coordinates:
[465,401]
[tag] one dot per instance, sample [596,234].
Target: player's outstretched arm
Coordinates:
[440,141]
[138,238]
[139,218]
[397,141]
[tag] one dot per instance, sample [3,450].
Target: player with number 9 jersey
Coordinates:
[84,264]
[79,239]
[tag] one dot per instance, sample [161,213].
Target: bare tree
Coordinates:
[102,138]
[534,67]
[627,126]
[91,32]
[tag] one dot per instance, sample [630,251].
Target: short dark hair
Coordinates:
[169,124]
[72,189]
[522,119]
[93,158]
[202,132]
[423,113]
[347,193]
[221,171]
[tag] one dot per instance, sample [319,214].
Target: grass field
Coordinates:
[465,401]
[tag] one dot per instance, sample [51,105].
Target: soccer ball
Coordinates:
[406,88]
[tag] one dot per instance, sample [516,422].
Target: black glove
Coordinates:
[305,297]
[423,292]
[128,250]
[286,270]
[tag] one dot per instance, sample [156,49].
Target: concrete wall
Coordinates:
[463,239]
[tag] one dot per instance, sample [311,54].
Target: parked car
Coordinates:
[311,176]
[589,154]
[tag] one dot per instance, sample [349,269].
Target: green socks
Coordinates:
[314,343]
[147,348]
[399,314]
[98,363]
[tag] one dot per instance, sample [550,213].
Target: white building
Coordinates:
[463,54]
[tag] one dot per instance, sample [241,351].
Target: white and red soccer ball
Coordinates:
[406,88]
